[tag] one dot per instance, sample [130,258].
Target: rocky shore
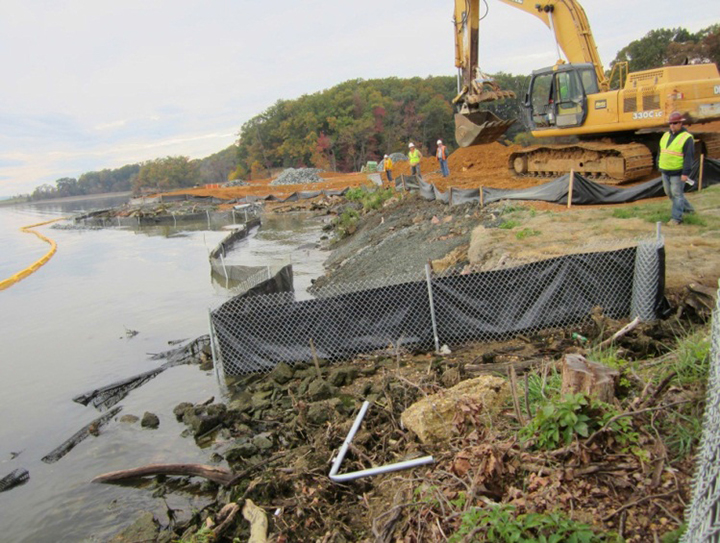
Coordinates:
[271,444]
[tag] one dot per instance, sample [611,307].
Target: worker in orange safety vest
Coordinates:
[441,155]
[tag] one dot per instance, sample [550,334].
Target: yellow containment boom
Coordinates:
[6,283]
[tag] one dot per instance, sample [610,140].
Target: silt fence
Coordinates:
[426,311]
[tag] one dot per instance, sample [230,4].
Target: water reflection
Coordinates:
[63,334]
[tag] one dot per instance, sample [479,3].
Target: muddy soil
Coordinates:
[281,431]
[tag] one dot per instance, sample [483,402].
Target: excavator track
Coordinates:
[711,140]
[614,164]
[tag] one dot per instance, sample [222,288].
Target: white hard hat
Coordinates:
[385,156]
[411,144]
[439,142]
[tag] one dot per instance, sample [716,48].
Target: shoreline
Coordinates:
[69,198]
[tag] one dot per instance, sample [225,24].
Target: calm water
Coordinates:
[64,333]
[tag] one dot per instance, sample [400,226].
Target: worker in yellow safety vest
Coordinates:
[414,157]
[387,166]
[675,161]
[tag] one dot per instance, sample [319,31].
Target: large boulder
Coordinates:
[432,417]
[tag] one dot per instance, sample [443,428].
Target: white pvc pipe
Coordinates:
[370,471]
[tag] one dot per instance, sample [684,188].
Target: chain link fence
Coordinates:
[703,513]
[424,311]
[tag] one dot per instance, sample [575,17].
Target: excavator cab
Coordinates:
[557,96]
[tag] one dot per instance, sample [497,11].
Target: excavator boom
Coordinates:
[474,125]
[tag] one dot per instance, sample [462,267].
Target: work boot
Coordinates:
[673,222]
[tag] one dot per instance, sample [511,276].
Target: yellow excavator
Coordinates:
[617,131]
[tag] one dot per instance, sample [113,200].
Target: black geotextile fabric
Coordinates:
[585,191]
[256,333]
[540,295]
[260,332]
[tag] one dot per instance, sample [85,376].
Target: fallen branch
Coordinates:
[227,514]
[638,502]
[218,475]
[648,402]
[630,414]
[501,368]
[620,333]
[211,473]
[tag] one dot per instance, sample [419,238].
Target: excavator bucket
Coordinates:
[479,127]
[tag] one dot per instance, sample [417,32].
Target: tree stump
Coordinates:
[592,378]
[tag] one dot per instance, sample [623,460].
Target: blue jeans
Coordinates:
[444,167]
[415,170]
[674,188]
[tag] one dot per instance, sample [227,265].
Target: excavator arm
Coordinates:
[569,24]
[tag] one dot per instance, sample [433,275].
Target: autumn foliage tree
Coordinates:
[166,174]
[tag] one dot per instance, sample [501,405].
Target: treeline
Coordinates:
[341,128]
[672,47]
[159,174]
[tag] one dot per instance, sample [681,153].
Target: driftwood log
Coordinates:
[77,437]
[14,478]
[109,395]
[592,378]
[217,475]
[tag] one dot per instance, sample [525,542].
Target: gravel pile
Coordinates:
[291,176]
[398,157]
[236,183]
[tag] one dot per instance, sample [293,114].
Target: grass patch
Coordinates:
[526,233]
[509,225]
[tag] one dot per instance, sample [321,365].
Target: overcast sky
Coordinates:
[93,84]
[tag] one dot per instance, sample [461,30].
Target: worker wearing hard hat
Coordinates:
[675,160]
[414,157]
[387,166]
[441,155]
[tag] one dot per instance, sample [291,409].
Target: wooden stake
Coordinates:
[315,358]
[570,188]
[482,202]
[514,392]
[700,175]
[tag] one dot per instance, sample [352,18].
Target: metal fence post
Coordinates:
[216,357]
[432,307]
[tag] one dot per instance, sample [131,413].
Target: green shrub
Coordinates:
[346,223]
[501,524]
[558,422]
